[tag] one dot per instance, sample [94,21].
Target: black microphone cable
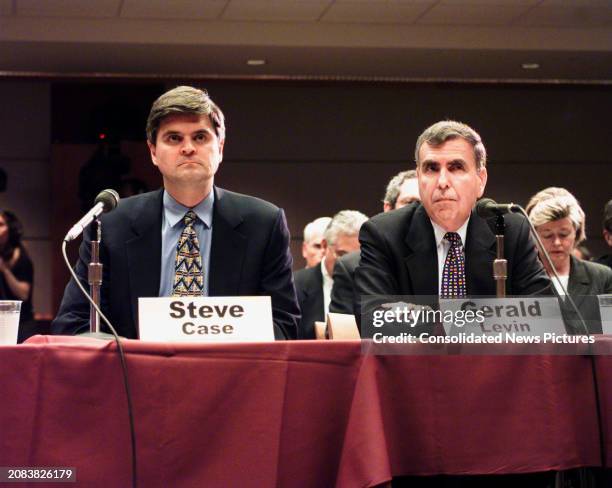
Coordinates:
[126,383]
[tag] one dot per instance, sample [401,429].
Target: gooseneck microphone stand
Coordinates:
[94,276]
[106,201]
[500,264]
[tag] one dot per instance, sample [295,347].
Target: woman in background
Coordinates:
[559,221]
[16,269]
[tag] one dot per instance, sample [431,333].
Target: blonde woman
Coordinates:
[559,221]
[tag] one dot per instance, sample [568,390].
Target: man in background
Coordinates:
[402,190]
[312,247]
[607,234]
[314,285]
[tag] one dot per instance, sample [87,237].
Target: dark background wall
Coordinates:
[315,148]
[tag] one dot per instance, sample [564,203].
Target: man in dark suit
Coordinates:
[343,294]
[440,246]
[402,190]
[607,234]
[314,284]
[242,242]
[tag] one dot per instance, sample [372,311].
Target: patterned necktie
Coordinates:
[453,275]
[188,276]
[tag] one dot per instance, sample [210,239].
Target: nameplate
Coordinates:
[605,311]
[507,318]
[205,319]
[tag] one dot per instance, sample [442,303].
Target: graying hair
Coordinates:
[553,204]
[393,188]
[347,222]
[445,130]
[316,228]
[184,100]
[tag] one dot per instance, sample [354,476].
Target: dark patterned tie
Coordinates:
[188,276]
[453,275]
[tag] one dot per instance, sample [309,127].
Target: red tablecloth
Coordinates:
[294,413]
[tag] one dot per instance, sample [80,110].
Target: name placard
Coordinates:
[205,319]
[506,317]
[605,311]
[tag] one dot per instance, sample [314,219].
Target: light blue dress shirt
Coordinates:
[172,227]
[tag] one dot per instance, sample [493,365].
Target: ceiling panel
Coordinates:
[203,60]
[450,39]
[275,10]
[488,15]
[490,3]
[371,12]
[68,8]
[568,16]
[591,3]
[175,9]
[388,2]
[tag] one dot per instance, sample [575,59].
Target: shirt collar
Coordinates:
[326,277]
[174,211]
[439,232]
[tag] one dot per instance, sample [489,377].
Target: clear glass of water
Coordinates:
[9,321]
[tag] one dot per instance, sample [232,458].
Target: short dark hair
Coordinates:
[445,130]
[184,100]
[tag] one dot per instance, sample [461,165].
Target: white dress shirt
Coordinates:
[564,281]
[328,283]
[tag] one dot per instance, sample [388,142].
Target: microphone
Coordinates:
[104,202]
[487,207]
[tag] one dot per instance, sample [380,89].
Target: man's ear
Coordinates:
[482,176]
[221,146]
[152,150]
[324,245]
[387,206]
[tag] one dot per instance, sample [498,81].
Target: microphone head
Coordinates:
[108,198]
[486,207]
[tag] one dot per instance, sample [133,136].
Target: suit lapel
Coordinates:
[228,247]
[578,284]
[479,256]
[144,250]
[314,291]
[422,256]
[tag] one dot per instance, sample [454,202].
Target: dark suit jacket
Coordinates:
[399,257]
[586,280]
[309,287]
[344,295]
[605,260]
[249,256]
